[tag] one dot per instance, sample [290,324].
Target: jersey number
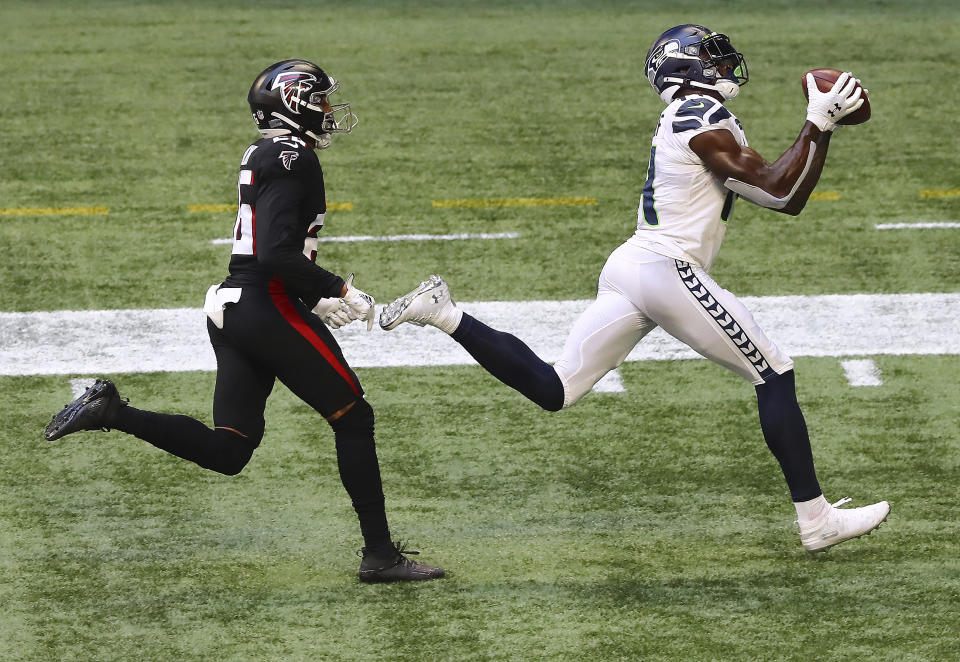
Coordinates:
[728,206]
[245,229]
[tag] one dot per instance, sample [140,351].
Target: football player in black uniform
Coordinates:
[266,320]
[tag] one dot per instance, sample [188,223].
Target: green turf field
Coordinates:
[646,525]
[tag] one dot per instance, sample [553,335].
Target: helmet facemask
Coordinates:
[717,52]
[338,119]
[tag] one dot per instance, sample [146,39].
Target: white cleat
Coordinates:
[836,525]
[430,303]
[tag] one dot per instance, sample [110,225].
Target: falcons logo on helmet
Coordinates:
[292,84]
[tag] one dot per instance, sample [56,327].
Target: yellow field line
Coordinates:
[50,211]
[331,206]
[516,202]
[824,195]
[940,193]
[196,209]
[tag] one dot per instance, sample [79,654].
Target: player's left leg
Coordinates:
[690,306]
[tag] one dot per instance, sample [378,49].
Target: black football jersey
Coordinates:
[281,209]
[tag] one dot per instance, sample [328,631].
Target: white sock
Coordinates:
[812,509]
[450,321]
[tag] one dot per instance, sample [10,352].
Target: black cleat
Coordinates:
[94,410]
[393,566]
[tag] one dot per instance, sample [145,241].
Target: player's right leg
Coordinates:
[95,409]
[239,401]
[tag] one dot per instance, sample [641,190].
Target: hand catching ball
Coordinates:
[825,78]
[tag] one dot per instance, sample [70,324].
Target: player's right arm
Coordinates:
[786,184]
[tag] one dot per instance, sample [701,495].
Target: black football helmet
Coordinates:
[292,96]
[691,56]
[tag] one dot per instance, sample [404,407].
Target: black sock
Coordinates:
[360,474]
[507,358]
[785,432]
[218,449]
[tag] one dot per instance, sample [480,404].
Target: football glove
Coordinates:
[333,311]
[360,305]
[825,109]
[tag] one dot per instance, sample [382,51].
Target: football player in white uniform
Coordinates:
[699,164]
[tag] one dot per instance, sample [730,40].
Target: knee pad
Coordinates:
[234,452]
[250,431]
[254,433]
[358,419]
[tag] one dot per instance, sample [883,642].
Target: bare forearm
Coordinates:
[784,185]
[810,138]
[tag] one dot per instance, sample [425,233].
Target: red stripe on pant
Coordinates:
[282,301]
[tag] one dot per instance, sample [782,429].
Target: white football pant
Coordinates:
[640,290]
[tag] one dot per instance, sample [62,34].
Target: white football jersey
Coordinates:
[684,209]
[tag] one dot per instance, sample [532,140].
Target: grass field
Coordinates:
[646,525]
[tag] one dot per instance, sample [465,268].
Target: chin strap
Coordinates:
[320,140]
[727,88]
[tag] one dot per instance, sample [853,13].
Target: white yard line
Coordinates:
[403,237]
[917,226]
[861,372]
[174,340]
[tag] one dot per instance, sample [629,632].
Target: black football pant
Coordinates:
[269,335]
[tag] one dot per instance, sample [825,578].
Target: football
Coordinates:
[825,79]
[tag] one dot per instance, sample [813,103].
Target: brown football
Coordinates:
[825,79]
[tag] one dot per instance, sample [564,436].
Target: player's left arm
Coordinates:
[784,185]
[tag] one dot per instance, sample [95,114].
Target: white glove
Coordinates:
[333,311]
[360,305]
[825,109]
